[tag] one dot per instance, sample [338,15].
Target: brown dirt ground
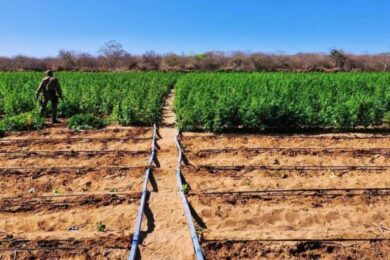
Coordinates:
[232,225]
[59,131]
[291,158]
[74,204]
[70,160]
[296,250]
[37,182]
[205,141]
[251,180]
[168,236]
[294,217]
[71,144]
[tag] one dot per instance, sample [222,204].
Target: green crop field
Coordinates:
[130,98]
[211,101]
[217,101]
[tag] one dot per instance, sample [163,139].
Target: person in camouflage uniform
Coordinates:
[51,91]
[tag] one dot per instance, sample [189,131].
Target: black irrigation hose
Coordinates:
[59,248]
[93,131]
[68,140]
[86,168]
[289,168]
[299,192]
[296,240]
[70,153]
[227,136]
[125,194]
[39,171]
[293,149]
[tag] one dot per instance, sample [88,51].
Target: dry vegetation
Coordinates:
[112,57]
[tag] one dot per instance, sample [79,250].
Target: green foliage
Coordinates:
[185,188]
[126,97]
[284,101]
[386,118]
[101,227]
[85,122]
[22,122]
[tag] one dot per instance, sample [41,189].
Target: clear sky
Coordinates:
[43,27]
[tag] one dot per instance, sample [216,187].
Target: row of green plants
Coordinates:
[127,98]
[285,101]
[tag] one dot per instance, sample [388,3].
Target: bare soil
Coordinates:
[290,197]
[60,131]
[74,158]
[100,247]
[165,228]
[296,250]
[36,182]
[71,194]
[295,216]
[75,144]
[206,179]
[292,157]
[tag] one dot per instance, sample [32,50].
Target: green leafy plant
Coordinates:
[185,188]
[101,227]
[85,121]
[386,118]
[55,190]
[281,101]
[22,122]
[113,190]
[125,97]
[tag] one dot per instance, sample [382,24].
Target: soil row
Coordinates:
[292,197]
[71,194]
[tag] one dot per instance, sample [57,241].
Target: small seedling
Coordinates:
[9,238]
[113,190]
[101,226]
[185,188]
[199,232]
[56,190]
[31,190]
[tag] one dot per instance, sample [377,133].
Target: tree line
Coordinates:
[112,57]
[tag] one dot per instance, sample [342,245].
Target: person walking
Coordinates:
[51,91]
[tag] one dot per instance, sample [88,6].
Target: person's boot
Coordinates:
[54,120]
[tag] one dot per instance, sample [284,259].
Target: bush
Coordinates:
[128,97]
[85,122]
[386,118]
[281,101]
[22,122]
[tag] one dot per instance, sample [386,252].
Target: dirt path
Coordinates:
[167,236]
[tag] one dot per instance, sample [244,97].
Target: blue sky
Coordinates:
[43,27]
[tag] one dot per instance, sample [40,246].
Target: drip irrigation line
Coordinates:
[290,168]
[293,149]
[68,139]
[137,229]
[59,248]
[187,211]
[296,192]
[80,168]
[227,136]
[93,131]
[131,195]
[70,153]
[296,240]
